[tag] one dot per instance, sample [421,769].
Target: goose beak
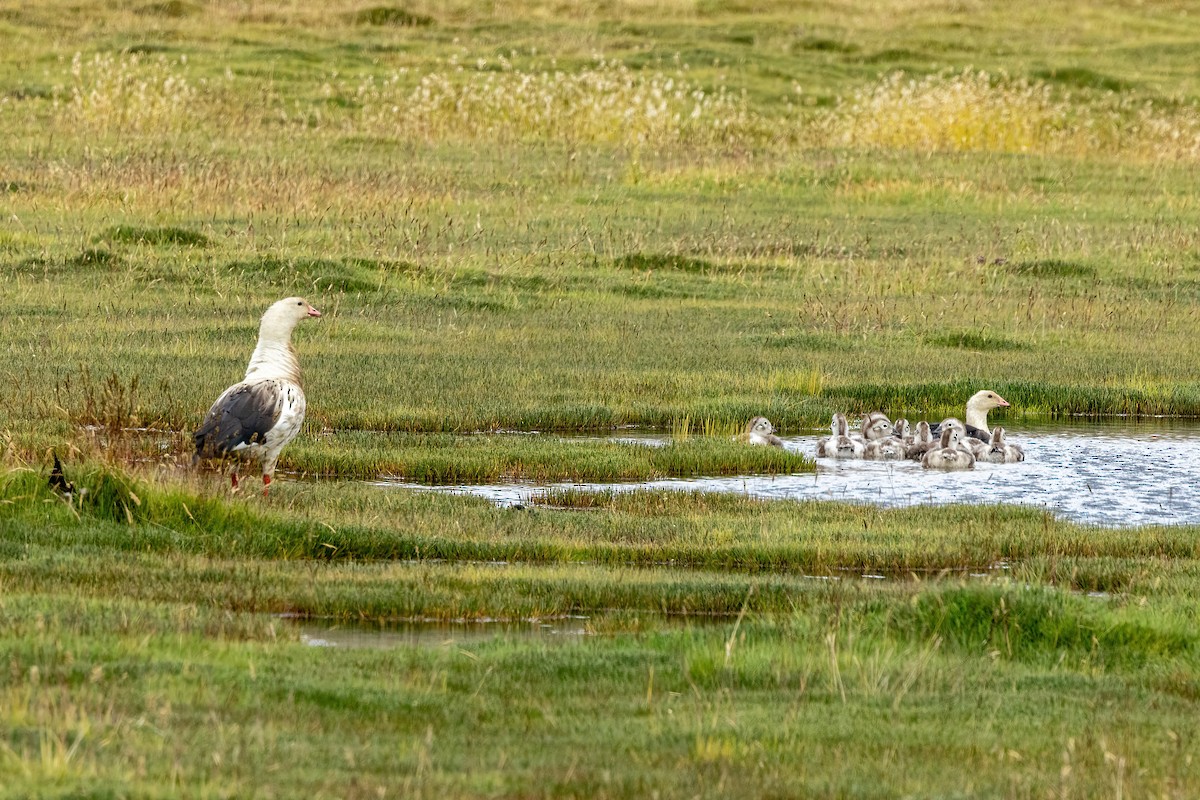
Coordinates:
[1003,403]
[312,312]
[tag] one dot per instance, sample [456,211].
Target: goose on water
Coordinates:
[889,449]
[876,425]
[922,442]
[999,451]
[760,431]
[255,418]
[978,407]
[839,445]
[950,456]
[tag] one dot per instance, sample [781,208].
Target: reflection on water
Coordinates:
[327,633]
[1109,473]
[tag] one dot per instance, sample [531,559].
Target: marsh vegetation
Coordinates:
[527,218]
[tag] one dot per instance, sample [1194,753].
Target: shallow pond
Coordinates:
[1107,473]
[327,633]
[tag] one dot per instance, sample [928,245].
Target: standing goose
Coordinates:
[760,431]
[254,419]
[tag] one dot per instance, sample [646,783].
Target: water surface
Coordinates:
[1107,473]
[327,633]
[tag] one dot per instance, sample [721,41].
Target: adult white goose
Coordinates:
[254,419]
[760,431]
[978,407]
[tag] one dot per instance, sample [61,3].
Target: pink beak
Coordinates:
[312,312]
[1003,403]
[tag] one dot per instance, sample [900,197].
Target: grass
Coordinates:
[190,645]
[522,218]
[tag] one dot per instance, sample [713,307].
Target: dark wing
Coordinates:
[58,481]
[242,415]
[979,433]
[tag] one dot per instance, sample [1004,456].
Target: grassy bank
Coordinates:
[529,217]
[147,632]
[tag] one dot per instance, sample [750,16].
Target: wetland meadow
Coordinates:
[541,234]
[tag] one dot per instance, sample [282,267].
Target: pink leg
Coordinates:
[266,484]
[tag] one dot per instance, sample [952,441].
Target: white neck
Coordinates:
[274,357]
[977,417]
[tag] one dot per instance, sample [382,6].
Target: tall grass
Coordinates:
[975,111]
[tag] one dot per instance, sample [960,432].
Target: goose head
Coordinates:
[282,317]
[840,426]
[980,404]
[924,435]
[876,425]
[951,435]
[761,426]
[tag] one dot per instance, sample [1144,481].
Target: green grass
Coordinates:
[528,217]
[763,659]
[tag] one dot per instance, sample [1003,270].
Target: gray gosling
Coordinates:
[760,431]
[889,449]
[840,445]
[922,443]
[949,456]
[876,426]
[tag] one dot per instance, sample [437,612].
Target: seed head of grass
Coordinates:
[124,93]
[976,111]
[963,111]
[606,103]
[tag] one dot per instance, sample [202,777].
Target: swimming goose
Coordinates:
[922,443]
[889,449]
[840,445]
[876,425]
[902,431]
[949,456]
[999,451]
[826,441]
[760,431]
[993,451]
[978,407]
[255,418]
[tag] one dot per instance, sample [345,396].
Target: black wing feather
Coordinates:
[241,416]
[972,432]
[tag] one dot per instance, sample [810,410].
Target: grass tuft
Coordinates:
[972,340]
[97,257]
[391,15]
[664,261]
[1053,268]
[172,9]
[158,237]
[309,274]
